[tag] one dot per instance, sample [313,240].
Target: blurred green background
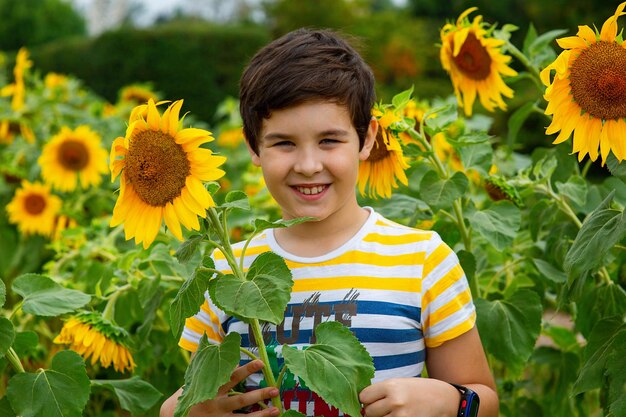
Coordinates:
[182,55]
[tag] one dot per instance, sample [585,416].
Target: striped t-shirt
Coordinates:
[398,289]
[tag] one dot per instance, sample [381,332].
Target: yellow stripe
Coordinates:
[396,240]
[452,333]
[435,258]
[340,283]
[197,326]
[442,284]
[256,250]
[187,345]
[214,319]
[448,309]
[367,258]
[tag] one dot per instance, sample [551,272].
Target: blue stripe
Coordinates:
[365,335]
[382,363]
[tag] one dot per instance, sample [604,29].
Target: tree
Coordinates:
[34,22]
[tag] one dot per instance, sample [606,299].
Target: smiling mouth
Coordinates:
[311,190]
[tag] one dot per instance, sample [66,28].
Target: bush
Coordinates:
[199,62]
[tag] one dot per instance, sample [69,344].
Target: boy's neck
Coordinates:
[317,238]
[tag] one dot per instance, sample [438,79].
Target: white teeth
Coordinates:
[311,190]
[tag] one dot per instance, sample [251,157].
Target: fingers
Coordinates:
[239,374]
[236,402]
[378,409]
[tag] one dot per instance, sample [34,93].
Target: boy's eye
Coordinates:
[283,143]
[328,141]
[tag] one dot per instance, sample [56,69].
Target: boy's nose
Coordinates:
[308,162]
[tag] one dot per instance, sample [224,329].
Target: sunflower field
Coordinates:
[110,211]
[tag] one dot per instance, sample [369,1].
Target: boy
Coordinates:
[306,103]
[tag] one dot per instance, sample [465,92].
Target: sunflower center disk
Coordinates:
[473,59]
[34,204]
[157,167]
[379,150]
[598,80]
[73,155]
[14,127]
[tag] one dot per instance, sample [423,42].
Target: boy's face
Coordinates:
[309,155]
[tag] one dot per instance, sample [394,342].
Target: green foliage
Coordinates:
[7,335]
[498,224]
[45,393]
[34,22]
[209,370]
[200,63]
[134,395]
[337,366]
[44,297]
[190,297]
[262,294]
[509,327]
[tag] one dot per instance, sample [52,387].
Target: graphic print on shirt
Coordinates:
[294,389]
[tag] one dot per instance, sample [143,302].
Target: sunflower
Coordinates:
[475,64]
[386,163]
[72,156]
[54,80]
[162,169]
[588,93]
[90,335]
[136,94]
[10,128]
[34,209]
[17,89]
[230,138]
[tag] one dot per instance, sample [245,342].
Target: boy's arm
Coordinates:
[460,360]
[223,404]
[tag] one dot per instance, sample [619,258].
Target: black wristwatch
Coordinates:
[468,406]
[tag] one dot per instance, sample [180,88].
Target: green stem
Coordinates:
[109,309]
[267,370]
[604,274]
[14,360]
[16,309]
[531,69]
[281,376]
[586,167]
[248,353]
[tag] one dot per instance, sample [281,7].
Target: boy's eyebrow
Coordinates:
[329,132]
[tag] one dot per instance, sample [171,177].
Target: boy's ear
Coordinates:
[253,155]
[370,139]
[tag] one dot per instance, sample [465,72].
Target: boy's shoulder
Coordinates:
[384,226]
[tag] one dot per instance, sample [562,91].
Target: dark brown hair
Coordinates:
[305,65]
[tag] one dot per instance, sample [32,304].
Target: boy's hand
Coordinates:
[225,405]
[410,397]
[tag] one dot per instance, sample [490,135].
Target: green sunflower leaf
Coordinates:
[602,229]
[188,248]
[236,199]
[134,394]
[337,367]
[190,297]
[498,224]
[606,343]
[44,297]
[478,156]
[440,193]
[510,327]
[5,407]
[261,224]
[263,294]
[7,335]
[210,368]
[61,391]
[3,293]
